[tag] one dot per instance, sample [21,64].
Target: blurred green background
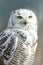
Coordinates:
[6,6]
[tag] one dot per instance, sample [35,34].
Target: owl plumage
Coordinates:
[20,38]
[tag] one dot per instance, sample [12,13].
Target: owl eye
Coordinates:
[30,17]
[20,17]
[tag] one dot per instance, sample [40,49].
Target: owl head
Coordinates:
[22,18]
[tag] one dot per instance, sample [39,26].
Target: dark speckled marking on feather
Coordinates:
[23,37]
[2,40]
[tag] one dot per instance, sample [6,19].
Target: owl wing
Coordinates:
[8,44]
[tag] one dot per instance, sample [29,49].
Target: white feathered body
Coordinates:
[24,54]
[24,30]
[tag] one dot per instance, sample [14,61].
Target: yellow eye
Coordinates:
[30,17]
[20,17]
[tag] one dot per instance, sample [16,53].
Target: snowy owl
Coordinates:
[18,42]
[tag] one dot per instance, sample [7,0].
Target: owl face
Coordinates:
[22,18]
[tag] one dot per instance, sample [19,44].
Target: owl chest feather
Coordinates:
[24,54]
[20,55]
